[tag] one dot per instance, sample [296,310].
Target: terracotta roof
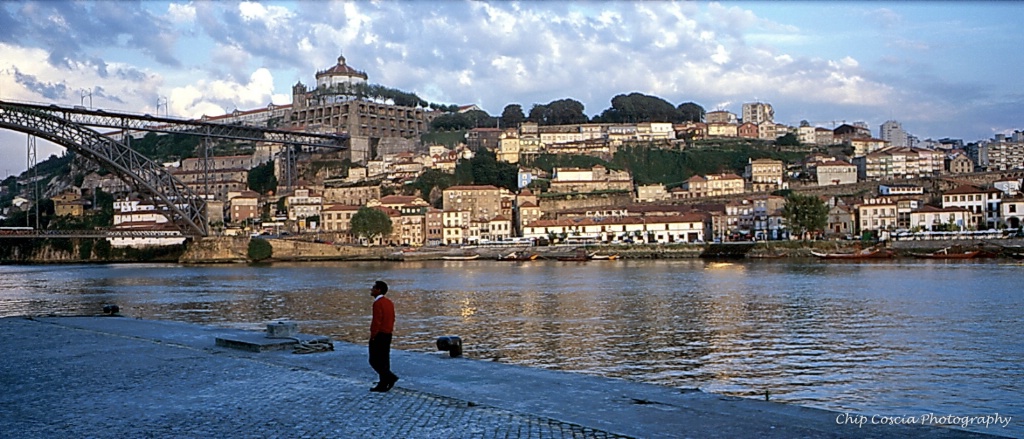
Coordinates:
[929,208]
[341,69]
[835,163]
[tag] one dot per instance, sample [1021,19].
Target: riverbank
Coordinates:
[232,250]
[172,380]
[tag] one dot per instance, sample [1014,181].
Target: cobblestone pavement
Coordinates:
[62,383]
[108,377]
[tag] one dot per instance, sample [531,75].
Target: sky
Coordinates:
[942,69]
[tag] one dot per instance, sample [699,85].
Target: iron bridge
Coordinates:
[74,129]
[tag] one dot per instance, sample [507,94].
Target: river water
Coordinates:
[904,338]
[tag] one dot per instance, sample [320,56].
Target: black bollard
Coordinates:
[452,344]
[111,310]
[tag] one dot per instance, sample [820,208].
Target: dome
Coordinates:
[340,73]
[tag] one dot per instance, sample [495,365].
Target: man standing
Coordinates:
[381,328]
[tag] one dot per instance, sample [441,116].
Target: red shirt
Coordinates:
[383,316]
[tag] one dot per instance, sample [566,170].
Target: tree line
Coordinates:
[625,108]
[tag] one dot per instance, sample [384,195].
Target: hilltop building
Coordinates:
[338,104]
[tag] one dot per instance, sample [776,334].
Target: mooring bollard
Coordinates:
[450,343]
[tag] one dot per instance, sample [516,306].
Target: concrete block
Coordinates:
[282,329]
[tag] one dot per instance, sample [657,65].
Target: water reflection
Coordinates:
[884,338]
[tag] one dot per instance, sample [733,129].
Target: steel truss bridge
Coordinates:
[108,233]
[74,128]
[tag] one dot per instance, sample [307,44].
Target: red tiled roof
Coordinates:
[341,69]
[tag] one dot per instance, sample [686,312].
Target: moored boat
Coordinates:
[596,256]
[462,257]
[863,254]
[518,256]
[946,254]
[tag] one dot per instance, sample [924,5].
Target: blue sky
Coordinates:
[943,69]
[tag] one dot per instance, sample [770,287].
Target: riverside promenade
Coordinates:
[119,377]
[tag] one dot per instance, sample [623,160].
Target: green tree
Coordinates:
[805,214]
[261,178]
[637,107]
[512,116]
[259,249]
[430,179]
[102,249]
[371,224]
[690,112]
[560,112]
[451,122]
[789,139]
[484,168]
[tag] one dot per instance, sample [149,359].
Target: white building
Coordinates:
[984,205]
[758,113]
[136,216]
[892,132]
[685,228]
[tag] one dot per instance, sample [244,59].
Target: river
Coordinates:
[891,338]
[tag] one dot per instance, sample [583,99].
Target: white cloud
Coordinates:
[271,16]
[181,13]
[214,98]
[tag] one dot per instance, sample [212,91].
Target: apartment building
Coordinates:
[456,224]
[721,116]
[984,205]
[931,218]
[136,215]
[582,180]
[338,217]
[647,193]
[958,163]
[758,113]
[693,227]
[1012,211]
[303,203]
[712,185]
[836,172]
[244,205]
[765,175]
[877,214]
[351,195]
[69,203]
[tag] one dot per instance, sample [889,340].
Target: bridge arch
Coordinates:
[172,198]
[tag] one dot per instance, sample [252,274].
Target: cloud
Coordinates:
[214,98]
[69,30]
[48,90]
[181,13]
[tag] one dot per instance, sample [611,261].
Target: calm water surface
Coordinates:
[892,338]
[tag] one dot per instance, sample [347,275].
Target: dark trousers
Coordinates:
[380,357]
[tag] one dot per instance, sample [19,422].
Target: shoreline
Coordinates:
[232,250]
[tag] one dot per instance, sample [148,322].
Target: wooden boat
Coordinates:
[462,257]
[516,256]
[863,254]
[946,254]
